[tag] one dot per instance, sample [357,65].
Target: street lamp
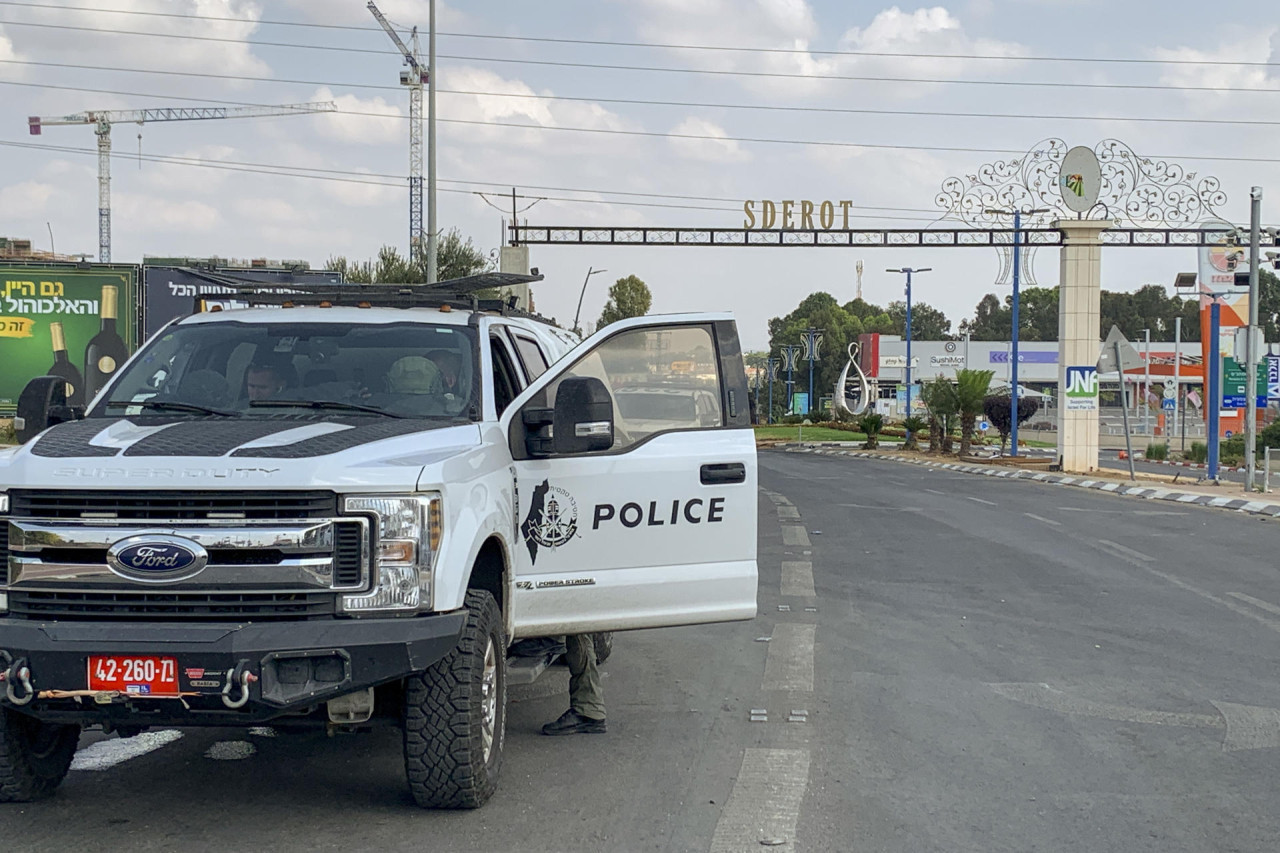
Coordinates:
[909,272]
[1015,325]
[590,272]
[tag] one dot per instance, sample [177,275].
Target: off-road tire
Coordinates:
[603,642]
[444,754]
[34,756]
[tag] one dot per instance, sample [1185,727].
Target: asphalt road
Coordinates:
[1109,459]
[963,664]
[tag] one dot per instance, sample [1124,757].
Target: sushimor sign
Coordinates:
[801,214]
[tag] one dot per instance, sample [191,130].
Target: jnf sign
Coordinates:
[1082,388]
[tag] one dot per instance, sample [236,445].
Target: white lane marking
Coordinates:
[1088,509]
[789,665]
[1126,551]
[764,805]
[1256,602]
[795,534]
[890,508]
[797,578]
[789,513]
[980,500]
[230,750]
[1050,699]
[1157,512]
[1249,727]
[106,754]
[1043,519]
[935,491]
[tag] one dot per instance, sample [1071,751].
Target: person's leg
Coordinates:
[585,694]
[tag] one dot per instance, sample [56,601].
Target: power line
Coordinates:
[662,134]
[664,45]
[659,103]
[346,176]
[660,69]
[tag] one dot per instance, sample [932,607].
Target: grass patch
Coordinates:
[810,433]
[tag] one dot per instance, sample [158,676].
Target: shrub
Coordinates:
[1269,436]
[7,433]
[871,423]
[1157,452]
[1198,452]
[913,426]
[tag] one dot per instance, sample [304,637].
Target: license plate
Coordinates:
[141,675]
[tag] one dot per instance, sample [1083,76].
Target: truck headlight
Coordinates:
[404,551]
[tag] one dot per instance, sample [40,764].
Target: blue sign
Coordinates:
[983,426]
[1239,401]
[1000,357]
[1169,403]
[1273,377]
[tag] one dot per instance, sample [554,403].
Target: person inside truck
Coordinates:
[265,381]
[450,365]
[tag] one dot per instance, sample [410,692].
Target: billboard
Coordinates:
[169,292]
[78,321]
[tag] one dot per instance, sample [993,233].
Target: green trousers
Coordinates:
[585,694]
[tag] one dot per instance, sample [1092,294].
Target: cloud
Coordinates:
[30,197]
[401,13]
[718,150]
[163,214]
[1236,44]
[361,120]
[234,56]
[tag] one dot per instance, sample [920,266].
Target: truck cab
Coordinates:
[341,509]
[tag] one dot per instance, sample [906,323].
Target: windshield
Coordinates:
[657,406]
[305,369]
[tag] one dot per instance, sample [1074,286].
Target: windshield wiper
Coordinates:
[171,406]
[322,404]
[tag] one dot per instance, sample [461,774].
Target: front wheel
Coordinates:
[456,715]
[34,756]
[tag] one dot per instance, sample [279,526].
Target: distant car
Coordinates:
[654,408]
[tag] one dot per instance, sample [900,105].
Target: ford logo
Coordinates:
[156,558]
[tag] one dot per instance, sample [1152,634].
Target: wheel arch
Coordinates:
[491,571]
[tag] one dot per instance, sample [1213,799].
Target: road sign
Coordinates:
[1129,358]
[1273,377]
[1168,404]
[1233,385]
[984,426]
[1170,390]
[1228,433]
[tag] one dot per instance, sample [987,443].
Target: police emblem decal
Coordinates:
[552,520]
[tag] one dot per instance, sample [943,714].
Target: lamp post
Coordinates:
[790,355]
[812,340]
[1146,382]
[1015,324]
[908,271]
[771,371]
[1252,342]
[590,272]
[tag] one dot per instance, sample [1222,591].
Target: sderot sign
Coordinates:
[1082,388]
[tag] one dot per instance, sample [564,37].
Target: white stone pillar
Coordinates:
[516,259]
[1079,299]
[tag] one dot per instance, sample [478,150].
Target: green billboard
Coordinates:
[77,321]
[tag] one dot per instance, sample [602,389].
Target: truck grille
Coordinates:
[144,606]
[348,553]
[172,505]
[4,550]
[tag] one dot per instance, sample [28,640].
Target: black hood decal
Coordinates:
[219,437]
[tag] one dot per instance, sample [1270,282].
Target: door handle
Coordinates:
[723,472]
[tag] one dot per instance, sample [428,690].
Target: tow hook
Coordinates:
[238,680]
[17,677]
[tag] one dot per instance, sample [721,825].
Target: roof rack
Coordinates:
[458,293]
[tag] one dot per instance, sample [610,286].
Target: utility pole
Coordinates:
[1178,417]
[1251,342]
[576,314]
[909,272]
[1214,402]
[1146,382]
[103,119]
[433,260]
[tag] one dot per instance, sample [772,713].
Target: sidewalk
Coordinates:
[1161,487]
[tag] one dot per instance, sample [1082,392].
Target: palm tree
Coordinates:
[939,397]
[871,423]
[971,390]
[914,425]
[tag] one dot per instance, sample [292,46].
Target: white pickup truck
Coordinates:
[342,510]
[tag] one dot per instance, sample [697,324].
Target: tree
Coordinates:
[999,410]
[628,297]
[839,327]
[914,425]
[991,320]
[971,390]
[871,423]
[456,257]
[927,323]
[939,398]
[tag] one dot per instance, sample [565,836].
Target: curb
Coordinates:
[1254,507]
[1198,465]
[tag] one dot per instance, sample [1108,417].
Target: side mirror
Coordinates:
[42,404]
[583,417]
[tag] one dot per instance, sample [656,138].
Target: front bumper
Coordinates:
[293,667]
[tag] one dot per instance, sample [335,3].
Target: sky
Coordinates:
[517,108]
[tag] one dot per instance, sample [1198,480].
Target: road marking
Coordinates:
[1249,727]
[764,805]
[795,534]
[897,483]
[797,578]
[890,508]
[1088,509]
[1126,551]
[1043,519]
[230,750]
[980,500]
[789,665]
[106,754]
[1256,602]
[1050,699]
[1157,512]
[935,491]
[789,513]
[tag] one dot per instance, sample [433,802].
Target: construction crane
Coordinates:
[103,119]
[415,78]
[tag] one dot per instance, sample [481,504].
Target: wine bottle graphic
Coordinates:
[106,351]
[63,368]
